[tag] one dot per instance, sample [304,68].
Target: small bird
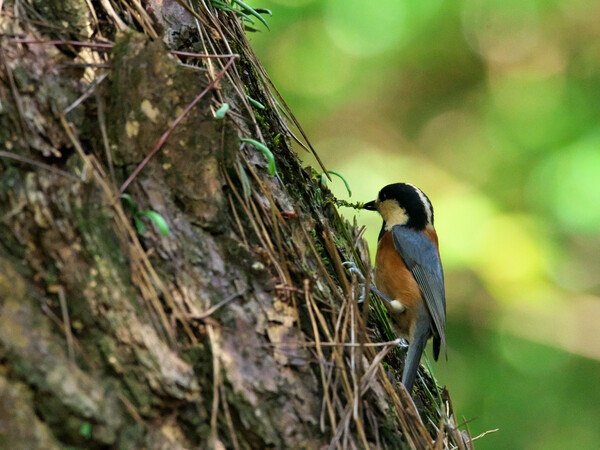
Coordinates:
[408,271]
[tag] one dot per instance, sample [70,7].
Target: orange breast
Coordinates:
[396,282]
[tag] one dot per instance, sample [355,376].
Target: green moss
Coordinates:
[322,253]
[260,119]
[276,139]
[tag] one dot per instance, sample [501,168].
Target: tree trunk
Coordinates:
[235,328]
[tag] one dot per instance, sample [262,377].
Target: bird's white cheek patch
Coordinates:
[397,306]
[392,213]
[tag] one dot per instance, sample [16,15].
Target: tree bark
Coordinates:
[238,328]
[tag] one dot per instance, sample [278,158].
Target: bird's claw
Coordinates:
[353,269]
[402,343]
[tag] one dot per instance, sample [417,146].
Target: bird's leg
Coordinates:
[395,304]
[353,269]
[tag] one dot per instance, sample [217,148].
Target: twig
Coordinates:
[200,55]
[237,221]
[14,92]
[67,322]
[130,408]
[486,432]
[216,384]
[321,357]
[113,15]
[454,447]
[210,311]
[234,440]
[39,164]
[110,45]
[89,91]
[107,45]
[104,134]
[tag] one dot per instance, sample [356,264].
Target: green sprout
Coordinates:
[245,180]
[246,12]
[158,220]
[318,196]
[86,430]
[222,111]
[324,180]
[263,148]
[264,11]
[250,10]
[256,103]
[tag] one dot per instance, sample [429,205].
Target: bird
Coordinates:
[408,271]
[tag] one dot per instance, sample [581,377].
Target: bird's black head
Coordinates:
[403,204]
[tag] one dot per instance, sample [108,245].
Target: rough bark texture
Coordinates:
[219,334]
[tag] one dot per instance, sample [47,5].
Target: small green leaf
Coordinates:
[318,197]
[344,180]
[243,14]
[246,17]
[263,148]
[130,203]
[158,220]
[323,179]
[250,10]
[86,430]
[255,103]
[225,7]
[221,111]
[245,180]
[221,5]
[139,224]
[264,11]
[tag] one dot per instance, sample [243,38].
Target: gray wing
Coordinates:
[422,259]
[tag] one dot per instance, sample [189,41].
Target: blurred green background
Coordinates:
[493,109]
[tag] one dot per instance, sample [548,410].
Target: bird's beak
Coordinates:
[371,206]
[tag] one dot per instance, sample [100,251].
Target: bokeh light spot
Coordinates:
[459,215]
[363,28]
[510,256]
[501,31]
[304,61]
[568,185]
[539,102]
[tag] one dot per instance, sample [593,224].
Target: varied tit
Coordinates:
[408,271]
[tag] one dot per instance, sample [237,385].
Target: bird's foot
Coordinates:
[351,266]
[402,343]
[355,270]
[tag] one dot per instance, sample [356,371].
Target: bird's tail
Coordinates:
[413,357]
